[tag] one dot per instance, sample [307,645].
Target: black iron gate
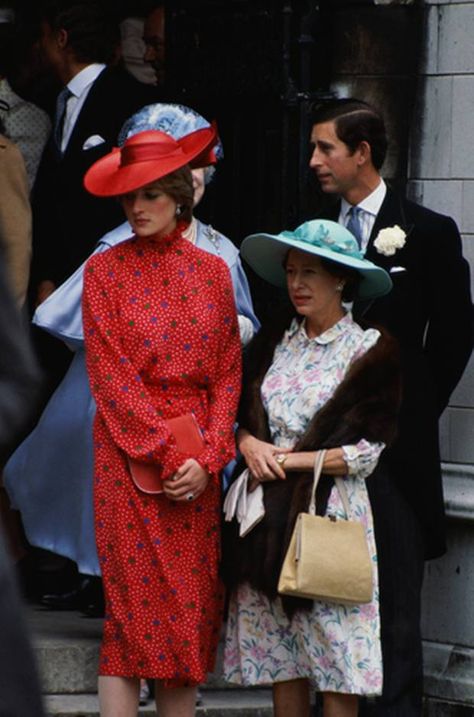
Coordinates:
[253,66]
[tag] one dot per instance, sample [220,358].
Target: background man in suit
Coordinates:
[79,41]
[429,311]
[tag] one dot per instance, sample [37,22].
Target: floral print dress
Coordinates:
[336,646]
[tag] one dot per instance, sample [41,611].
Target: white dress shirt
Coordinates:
[369,208]
[79,86]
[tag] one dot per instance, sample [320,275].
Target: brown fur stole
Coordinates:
[365,405]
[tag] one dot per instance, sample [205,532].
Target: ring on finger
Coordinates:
[190,496]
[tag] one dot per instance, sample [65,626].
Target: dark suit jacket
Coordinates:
[68,221]
[429,311]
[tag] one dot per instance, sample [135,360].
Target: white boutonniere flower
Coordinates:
[389,240]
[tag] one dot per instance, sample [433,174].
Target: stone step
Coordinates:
[445,708]
[215,703]
[66,648]
[66,645]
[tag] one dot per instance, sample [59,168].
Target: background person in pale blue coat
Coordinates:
[49,477]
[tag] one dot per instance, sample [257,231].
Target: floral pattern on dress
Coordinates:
[337,647]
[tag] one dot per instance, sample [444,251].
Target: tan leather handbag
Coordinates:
[327,559]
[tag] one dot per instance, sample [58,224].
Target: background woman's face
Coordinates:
[150,211]
[311,288]
[199,184]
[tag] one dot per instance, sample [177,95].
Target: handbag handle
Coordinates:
[318,467]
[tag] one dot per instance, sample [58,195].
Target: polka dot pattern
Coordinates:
[161,340]
[27,125]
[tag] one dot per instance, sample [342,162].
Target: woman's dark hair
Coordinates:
[351,277]
[179,186]
[355,121]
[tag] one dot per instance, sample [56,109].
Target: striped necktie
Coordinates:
[60,115]
[353,225]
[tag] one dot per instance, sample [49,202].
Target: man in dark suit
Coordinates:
[429,311]
[78,41]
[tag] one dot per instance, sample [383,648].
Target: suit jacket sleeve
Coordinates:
[450,333]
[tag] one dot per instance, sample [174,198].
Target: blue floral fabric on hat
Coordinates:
[176,120]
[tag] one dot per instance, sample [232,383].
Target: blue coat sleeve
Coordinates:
[61,313]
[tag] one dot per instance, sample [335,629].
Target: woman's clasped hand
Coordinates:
[189,481]
[260,457]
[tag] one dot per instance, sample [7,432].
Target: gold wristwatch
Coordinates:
[281,459]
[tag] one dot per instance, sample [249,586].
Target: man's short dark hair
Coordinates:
[92,30]
[356,121]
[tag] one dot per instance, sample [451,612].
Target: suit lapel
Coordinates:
[388,216]
[87,117]
[390,213]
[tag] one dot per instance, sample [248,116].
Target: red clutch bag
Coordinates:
[189,440]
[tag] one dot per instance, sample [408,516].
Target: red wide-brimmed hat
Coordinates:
[146,157]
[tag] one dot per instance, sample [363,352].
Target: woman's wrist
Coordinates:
[299,461]
[241,437]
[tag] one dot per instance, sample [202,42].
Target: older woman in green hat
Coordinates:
[317,380]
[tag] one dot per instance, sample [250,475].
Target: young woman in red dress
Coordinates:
[162,341]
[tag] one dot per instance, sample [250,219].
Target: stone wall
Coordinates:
[441,168]
[417,63]
[441,176]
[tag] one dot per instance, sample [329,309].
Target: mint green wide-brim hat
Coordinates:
[265,253]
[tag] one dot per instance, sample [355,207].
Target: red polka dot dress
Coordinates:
[162,340]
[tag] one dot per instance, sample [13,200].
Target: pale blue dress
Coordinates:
[49,478]
[336,647]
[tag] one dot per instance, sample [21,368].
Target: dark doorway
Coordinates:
[254,66]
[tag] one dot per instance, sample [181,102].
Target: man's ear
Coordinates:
[365,153]
[62,38]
